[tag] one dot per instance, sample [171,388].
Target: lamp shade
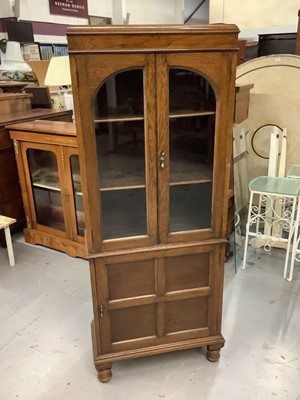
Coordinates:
[13,59]
[58,72]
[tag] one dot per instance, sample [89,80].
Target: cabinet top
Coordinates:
[31,114]
[151,38]
[46,126]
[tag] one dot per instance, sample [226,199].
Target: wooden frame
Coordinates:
[298,36]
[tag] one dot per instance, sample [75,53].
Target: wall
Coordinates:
[201,16]
[155,11]
[257,16]
[252,17]
[141,12]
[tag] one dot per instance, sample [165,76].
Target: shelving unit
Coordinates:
[154,111]
[48,50]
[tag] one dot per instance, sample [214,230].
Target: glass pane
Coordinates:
[123,213]
[189,91]
[46,188]
[120,140]
[77,189]
[190,207]
[191,143]
[121,96]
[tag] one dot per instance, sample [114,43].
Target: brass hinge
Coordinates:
[101,310]
[16,146]
[67,195]
[28,222]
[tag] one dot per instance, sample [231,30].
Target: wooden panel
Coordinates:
[297,52]
[151,38]
[130,279]
[158,293]
[8,163]
[185,315]
[13,208]
[9,191]
[40,96]
[13,102]
[242,96]
[132,323]
[14,117]
[187,272]
[4,139]
[39,67]
[50,126]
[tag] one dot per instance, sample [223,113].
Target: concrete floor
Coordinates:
[45,343]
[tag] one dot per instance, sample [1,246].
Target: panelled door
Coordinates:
[158,297]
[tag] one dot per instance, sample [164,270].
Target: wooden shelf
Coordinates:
[173,114]
[182,172]
[189,113]
[119,118]
[46,187]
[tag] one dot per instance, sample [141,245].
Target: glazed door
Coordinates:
[124,212]
[74,194]
[192,145]
[48,203]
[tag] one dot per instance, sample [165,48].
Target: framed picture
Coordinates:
[94,20]
[30,52]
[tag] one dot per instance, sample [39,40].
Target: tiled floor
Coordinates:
[45,344]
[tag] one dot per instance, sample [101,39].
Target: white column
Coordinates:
[179,11]
[119,12]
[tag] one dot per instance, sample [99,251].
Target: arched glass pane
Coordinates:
[192,107]
[119,130]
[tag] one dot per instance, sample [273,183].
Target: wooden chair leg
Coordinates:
[10,251]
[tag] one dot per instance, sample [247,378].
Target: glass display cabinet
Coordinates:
[154,113]
[48,166]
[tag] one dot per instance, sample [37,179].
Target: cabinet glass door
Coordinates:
[120,141]
[191,150]
[46,188]
[77,193]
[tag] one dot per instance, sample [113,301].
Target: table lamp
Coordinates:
[58,74]
[13,60]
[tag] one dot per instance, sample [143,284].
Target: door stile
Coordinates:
[160,280]
[150,148]
[162,99]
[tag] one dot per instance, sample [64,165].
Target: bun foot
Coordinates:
[213,352]
[104,373]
